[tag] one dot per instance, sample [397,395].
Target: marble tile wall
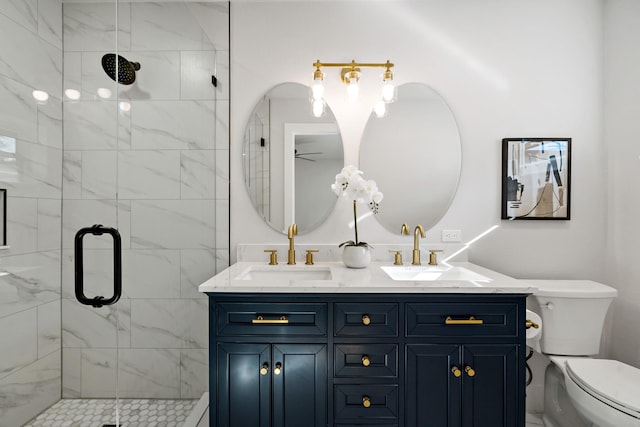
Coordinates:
[151,160]
[31,59]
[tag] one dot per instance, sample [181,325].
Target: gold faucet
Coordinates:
[419,231]
[293,231]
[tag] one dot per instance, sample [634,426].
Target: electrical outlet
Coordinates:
[451,236]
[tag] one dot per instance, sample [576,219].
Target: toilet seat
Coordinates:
[612,382]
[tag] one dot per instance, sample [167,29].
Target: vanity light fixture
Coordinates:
[350,76]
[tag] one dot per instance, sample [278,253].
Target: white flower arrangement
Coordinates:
[350,183]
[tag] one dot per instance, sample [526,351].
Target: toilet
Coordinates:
[581,391]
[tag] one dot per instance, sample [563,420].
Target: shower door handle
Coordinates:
[99,301]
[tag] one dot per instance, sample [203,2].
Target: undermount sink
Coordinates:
[289,272]
[429,273]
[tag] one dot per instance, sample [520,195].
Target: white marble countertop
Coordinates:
[367,280]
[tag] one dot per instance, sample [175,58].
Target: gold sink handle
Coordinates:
[309,256]
[273,257]
[398,256]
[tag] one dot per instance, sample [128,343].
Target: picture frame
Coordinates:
[536,179]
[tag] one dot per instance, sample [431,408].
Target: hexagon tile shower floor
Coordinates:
[98,412]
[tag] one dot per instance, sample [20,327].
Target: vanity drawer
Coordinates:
[373,401]
[462,320]
[366,320]
[366,360]
[235,318]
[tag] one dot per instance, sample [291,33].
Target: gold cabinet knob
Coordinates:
[265,369]
[456,371]
[278,369]
[366,401]
[470,371]
[365,360]
[366,320]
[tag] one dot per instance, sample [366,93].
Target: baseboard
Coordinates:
[199,411]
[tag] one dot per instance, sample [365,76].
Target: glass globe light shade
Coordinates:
[388,91]
[380,109]
[317,108]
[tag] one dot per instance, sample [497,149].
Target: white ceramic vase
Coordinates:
[356,256]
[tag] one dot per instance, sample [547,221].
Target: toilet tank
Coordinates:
[573,313]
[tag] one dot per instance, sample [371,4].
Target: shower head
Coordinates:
[125,70]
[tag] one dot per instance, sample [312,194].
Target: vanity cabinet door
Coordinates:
[462,385]
[490,385]
[272,385]
[433,392]
[244,385]
[300,385]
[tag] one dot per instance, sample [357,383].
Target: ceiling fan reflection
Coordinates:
[303,156]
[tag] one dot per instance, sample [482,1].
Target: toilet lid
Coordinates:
[608,380]
[572,289]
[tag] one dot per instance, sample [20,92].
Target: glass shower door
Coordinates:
[147,157]
[95,319]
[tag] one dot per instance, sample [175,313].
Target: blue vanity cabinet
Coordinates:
[278,385]
[465,363]
[484,394]
[374,360]
[268,362]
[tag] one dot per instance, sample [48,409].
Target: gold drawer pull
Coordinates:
[470,321]
[366,320]
[278,369]
[281,320]
[265,369]
[365,360]
[456,371]
[470,371]
[366,401]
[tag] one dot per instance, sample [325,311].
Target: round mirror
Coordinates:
[414,155]
[290,158]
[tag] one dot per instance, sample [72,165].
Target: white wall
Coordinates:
[507,69]
[622,109]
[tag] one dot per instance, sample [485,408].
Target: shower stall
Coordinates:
[113,122]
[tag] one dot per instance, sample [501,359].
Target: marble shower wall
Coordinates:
[151,159]
[31,172]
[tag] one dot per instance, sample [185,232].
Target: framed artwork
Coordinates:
[536,178]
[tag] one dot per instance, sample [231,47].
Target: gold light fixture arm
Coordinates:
[351,70]
[353,65]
